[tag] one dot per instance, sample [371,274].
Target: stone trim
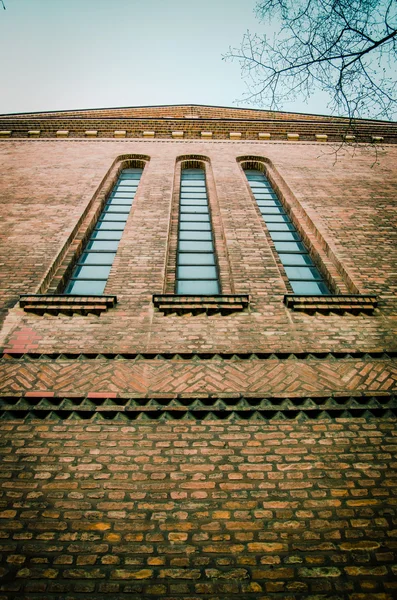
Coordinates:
[70,305]
[339,303]
[224,304]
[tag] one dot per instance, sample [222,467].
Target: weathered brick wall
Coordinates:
[346,210]
[209,510]
[199,456]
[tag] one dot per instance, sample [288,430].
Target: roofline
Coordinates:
[283,112]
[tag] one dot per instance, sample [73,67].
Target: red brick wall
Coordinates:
[198,510]
[345,209]
[277,481]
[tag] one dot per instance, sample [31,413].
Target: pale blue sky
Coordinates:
[69,54]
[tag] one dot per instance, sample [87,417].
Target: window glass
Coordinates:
[289,246]
[194,202]
[94,245]
[194,195]
[91,273]
[287,241]
[271,210]
[190,226]
[280,226]
[195,246]
[196,272]
[114,208]
[195,217]
[97,258]
[85,288]
[279,236]
[196,258]
[195,235]
[106,235]
[194,209]
[114,226]
[114,217]
[309,287]
[302,273]
[295,259]
[197,287]
[115,201]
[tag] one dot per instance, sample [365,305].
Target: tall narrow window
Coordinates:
[196,272]
[92,270]
[299,267]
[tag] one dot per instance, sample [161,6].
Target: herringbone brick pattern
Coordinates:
[207,377]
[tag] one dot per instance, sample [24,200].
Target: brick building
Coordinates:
[198,341]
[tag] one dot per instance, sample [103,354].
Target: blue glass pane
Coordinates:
[203,272]
[276,218]
[191,258]
[94,245]
[309,287]
[302,273]
[289,247]
[280,226]
[194,195]
[270,210]
[195,217]
[189,226]
[258,184]
[188,189]
[120,202]
[195,235]
[196,246]
[86,288]
[114,226]
[296,259]
[269,203]
[114,217]
[192,183]
[194,209]
[194,202]
[112,208]
[89,272]
[284,236]
[106,235]
[99,258]
[193,174]
[197,288]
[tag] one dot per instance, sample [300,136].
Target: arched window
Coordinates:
[303,276]
[91,272]
[196,269]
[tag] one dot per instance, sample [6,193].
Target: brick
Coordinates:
[238,446]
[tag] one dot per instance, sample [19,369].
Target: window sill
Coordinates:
[342,303]
[65,304]
[224,304]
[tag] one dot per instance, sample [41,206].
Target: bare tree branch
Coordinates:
[343,47]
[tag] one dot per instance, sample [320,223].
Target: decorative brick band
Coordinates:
[172,303]
[97,406]
[69,305]
[198,356]
[338,303]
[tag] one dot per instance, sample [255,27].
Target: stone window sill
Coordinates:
[342,303]
[65,304]
[223,304]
